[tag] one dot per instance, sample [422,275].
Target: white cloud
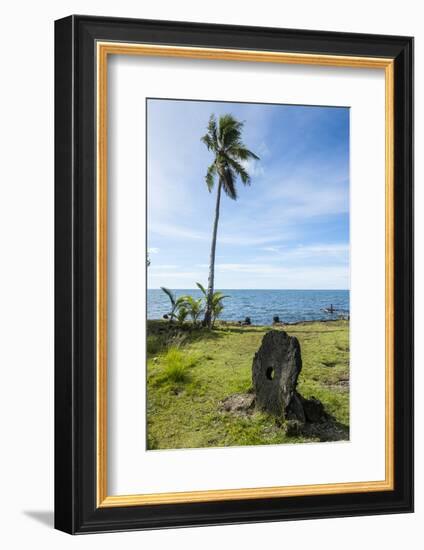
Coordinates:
[320,266]
[178,275]
[333,251]
[154,267]
[311,266]
[303,198]
[177,232]
[254,167]
[309,255]
[262,150]
[177,278]
[252,275]
[248,240]
[153,250]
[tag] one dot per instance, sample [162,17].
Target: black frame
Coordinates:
[75,275]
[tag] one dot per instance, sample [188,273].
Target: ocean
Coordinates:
[261,305]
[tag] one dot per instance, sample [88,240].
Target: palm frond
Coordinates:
[210,139]
[193,302]
[230,136]
[210,176]
[219,308]
[212,129]
[194,307]
[240,152]
[170,295]
[240,170]
[180,302]
[202,288]
[217,298]
[229,183]
[229,130]
[182,314]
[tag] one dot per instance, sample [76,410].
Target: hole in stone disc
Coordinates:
[270,373]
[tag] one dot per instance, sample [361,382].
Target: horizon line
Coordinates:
[216,288]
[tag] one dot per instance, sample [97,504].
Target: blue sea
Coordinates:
[261,305]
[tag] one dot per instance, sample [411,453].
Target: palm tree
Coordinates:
[224,139]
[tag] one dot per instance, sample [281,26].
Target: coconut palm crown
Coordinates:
[224,140]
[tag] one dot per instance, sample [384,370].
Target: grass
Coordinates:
[177,364]
[190,371]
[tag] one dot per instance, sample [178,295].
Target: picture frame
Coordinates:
[83,45]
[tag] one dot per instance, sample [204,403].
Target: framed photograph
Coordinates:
[234,274]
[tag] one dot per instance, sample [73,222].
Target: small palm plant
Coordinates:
[216,311]
[182,314]
[176,303]
[216,303]
[193,307]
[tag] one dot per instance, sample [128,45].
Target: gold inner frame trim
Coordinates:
[104,49]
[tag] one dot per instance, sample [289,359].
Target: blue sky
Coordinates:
[289,229]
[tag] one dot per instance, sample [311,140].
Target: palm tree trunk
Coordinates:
[208,313]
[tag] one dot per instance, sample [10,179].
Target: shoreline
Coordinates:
[282,323]
[230,322]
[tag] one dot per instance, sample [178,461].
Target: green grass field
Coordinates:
[189,372]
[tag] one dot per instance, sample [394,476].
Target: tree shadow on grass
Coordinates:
[327,430]
[161,338]
[165,328]
[205,334]
[246,329]
[311,332]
